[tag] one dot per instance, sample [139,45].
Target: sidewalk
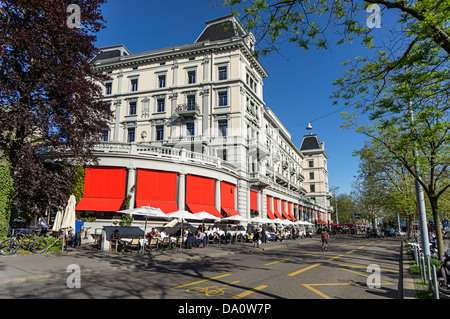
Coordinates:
[51,265]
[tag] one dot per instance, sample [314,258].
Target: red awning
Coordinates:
[197,208]
[289,212]
[283,210]
[269,212]
[230,211]
[157,189]
[227,192]
[100,204]
[275,208]
[104,189]
[253,200]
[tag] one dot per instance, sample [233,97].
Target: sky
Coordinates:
[297,89]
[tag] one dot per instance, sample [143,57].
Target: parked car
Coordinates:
[390,232]
[375,233]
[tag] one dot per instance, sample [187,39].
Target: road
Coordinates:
[295,272]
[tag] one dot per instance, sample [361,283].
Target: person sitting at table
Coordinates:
[163,234]
[190,241]
[116,236]
[152,234]
[200,236]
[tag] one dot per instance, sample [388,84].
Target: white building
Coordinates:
[191,131]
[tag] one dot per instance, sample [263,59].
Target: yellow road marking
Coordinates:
[335,257]
[358,273]
[311,253]
[363,267]
[343,245]
[198,282]
[275,262]
[361,247]
[349,252]
[248,292]
[302,270]
[321,293]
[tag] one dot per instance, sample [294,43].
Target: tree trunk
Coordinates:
[437,225]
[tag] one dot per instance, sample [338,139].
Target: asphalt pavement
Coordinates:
[29,267]
[52,265]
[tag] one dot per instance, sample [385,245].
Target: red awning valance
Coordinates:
[227,193]
[269,212]
[197,208]
[104,189]
[275,208]
[254,200]
[157,189]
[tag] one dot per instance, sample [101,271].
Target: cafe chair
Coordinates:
[113,243]
[134,244]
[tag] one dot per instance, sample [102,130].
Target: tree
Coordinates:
[308,23]
[393,183]
[346,208]
[50,116]
[406,75]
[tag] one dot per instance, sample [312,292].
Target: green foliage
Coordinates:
[127,219]
[78,183]
[6,198]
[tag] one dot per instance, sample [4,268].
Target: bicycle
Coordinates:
[11,245]
[324,245]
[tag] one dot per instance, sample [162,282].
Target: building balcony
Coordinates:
[188,109]
[157,152]
[257,145]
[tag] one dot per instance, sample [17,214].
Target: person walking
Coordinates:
[79,226]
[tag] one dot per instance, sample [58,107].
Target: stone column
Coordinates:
[130,183]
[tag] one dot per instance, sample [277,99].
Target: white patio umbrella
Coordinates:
[68,221]
[206,215]
[146,211]
[57,223]
[182,214]
[259,220]
[277,221]
[237,218]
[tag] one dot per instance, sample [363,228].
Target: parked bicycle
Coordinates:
[11,245]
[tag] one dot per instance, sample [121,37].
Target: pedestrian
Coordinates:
[79,226]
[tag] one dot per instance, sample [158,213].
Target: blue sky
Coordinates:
[299,82]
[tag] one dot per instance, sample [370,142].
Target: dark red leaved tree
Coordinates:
[49,115]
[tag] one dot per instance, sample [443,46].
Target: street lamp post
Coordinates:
[334,188]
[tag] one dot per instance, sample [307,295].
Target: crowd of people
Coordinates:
[202,236]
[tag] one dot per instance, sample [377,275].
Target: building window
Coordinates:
[131,135]
[191,102]
[191,77]
[311,175]
[133,108]
[312,188]
[223,98]
[223,127]
[160,133]
[161,103]
[190,128]
[311,163]
[162,81]
[134,85]
[108,88]
[105,136]
[223,73]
